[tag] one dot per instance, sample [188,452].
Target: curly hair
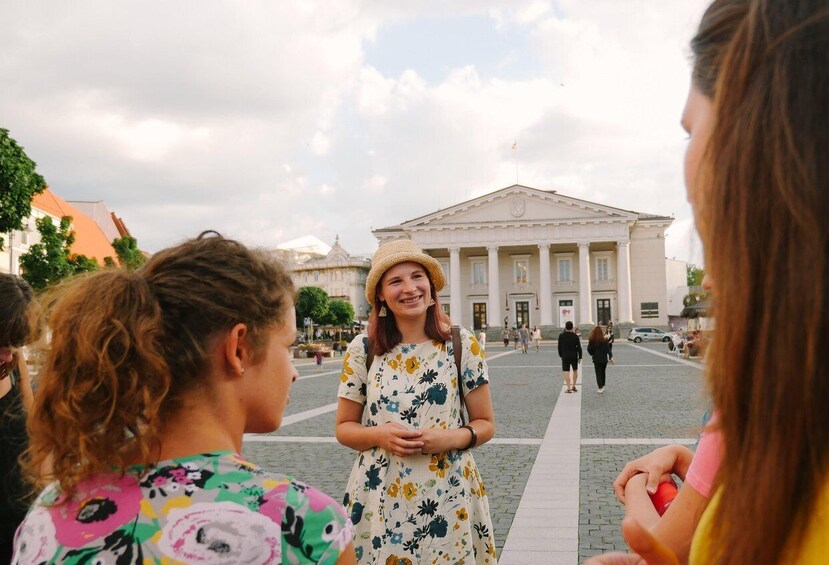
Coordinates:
[128,346]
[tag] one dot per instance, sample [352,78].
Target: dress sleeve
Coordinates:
[473,368]
[353,375]
[315,527]
[706,461]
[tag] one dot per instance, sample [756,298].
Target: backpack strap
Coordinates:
[458,351]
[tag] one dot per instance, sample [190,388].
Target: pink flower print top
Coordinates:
[211,508]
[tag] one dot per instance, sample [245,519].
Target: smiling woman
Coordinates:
[415,494]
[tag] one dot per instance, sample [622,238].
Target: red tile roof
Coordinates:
[89,238]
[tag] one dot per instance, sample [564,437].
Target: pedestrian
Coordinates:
[151,380]
[524,333]
[756,155]
[482,339]
[505,337]
[609,337]
[599,350]
[536,335]
[569,349]
[15,400]
[516,337]
[318,359]
[414,493]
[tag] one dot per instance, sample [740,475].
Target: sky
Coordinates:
[268,121]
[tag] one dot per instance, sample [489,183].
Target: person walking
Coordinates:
[599,350]
[516,337]
[569,349]
[536,337]
[482,339]
[505,337]
[414,493]
[524,333]
[151,380]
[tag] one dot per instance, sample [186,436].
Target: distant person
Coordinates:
[318,359]
[536,337]
[524,333]
[152,379]
[599,350]
[516,337]
[569,349]
[482,338]
[505,337]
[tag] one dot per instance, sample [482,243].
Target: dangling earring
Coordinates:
[431,301]
[383,312]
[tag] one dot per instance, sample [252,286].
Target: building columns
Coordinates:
[455,303]
[493,312]
[545,299]
[585,292]
[623,275]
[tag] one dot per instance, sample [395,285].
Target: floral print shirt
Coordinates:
[209,508]
[422,508]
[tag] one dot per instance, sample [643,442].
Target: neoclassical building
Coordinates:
[522,255]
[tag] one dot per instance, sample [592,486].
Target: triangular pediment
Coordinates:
[521,204]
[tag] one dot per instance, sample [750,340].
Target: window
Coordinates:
[522,267]
[445,307]
[316,276]
[602,269]
[650,309]
[564,270]
[478,272]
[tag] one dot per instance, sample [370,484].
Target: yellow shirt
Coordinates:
[815,548]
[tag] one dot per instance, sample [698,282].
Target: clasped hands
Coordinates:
[403,441]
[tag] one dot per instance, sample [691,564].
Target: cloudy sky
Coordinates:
[272,120]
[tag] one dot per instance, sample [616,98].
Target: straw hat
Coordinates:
[394,253]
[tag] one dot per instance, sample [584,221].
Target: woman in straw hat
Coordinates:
[414,494]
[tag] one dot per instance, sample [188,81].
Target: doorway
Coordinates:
[522,313]
[603,311]
[478,315]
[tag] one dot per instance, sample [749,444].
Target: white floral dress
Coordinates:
[421,508]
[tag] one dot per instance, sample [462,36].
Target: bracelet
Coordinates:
[472,442]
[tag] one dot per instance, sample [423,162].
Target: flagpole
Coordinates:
[515,158]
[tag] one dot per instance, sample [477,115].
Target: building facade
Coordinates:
[526,256]
[339,274]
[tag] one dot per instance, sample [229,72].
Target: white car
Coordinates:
[638,335]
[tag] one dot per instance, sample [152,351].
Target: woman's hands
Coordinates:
[670,459]
[398,439]
[649,550]
[436,440]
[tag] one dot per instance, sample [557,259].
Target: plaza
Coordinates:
[549,469]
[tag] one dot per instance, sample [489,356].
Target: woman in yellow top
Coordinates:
[757,172]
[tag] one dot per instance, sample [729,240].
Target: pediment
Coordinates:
[520,204]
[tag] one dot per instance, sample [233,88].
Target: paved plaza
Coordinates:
[549,470]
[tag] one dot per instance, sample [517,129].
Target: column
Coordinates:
[585,293]
[623,287]
[544,300]
[455,304]
[493,308]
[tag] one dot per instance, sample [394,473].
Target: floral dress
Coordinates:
[210,508]
[420,508]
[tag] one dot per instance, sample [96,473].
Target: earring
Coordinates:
[431,301]
[383,312]
[241,370]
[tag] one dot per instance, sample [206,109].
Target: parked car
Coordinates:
[638,335]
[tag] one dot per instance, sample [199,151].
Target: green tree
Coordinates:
[312,302]
[51,260]
[129,255]
[694,275]
[340,313]
[18,184]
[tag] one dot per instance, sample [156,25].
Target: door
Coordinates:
[565,312]
[603,311]
[478,315]
[522,314]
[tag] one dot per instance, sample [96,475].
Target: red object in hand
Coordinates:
[664,495]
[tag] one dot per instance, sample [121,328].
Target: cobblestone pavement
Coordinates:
[647,397]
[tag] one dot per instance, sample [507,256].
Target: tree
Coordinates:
[129,255]
[694,275]
[51,260]
[312,302]
[340,313]
[18,184]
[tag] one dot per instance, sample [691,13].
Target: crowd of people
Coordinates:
[132,449]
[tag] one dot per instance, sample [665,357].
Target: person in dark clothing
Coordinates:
[598,347]
[15,398]
[569,349]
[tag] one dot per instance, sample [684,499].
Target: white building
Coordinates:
[339,274]
[522,255]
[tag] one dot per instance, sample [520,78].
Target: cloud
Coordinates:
[266,122]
